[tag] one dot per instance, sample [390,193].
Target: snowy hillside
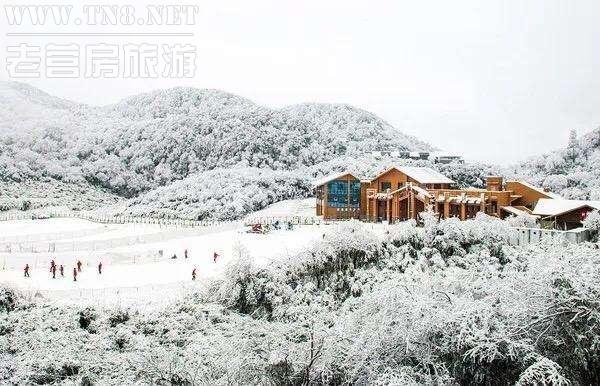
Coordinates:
[153,139]
[573,172]
[219,194]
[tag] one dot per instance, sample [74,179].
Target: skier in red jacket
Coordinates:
[26,270]
[54,271]
[79,265]
[215,255]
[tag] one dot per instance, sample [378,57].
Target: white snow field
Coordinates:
[136,267]
[304,208]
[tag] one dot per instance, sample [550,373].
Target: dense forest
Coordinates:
[573,171]
[153,139]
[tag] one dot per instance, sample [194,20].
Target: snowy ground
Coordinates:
[301,207]
[138,267]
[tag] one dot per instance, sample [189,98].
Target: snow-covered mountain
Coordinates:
[153,139]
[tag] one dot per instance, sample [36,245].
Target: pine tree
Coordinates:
[573,146]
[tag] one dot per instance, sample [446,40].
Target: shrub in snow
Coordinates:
[86,317]
[454,239]
[407,233]
[118,316]
[250,289]
[545,372]
[123,338]
[8,299]
[344,248]
[279,369]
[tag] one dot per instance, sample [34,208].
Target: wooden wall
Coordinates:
[529,196]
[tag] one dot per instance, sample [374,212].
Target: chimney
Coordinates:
[494,183]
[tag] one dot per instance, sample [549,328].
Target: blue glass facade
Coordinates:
[338,194]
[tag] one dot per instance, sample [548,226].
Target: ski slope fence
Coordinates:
[104,218]
[36,237]
[152,293]
[524,236]
[294,220]
[47,246]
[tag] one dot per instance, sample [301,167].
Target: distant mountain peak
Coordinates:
[18,92]
[176,100]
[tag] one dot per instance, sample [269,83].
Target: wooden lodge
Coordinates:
[401,193]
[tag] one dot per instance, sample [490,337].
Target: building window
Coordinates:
[343,194]
[385,186]
[355,194]
[337,193]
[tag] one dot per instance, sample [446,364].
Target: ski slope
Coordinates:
[137,265]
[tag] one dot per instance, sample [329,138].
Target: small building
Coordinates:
[563,214]
[441,158]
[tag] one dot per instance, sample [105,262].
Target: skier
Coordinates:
[54,271]
[62,271]
[79,265]
[215,255]
[26,270]
[52,265]
[100,268]
[194,274]
[185,254]
[74,274]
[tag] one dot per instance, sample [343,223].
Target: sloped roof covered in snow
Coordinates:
[539,190]
[555,207]
[517,212]
[331,177]
[421,191]
[425,175]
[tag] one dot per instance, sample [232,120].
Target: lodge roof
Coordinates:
[517,211]
[556,207]
[539,190]
[331,177]
[425,175]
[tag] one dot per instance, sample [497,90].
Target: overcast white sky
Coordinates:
[495,80]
